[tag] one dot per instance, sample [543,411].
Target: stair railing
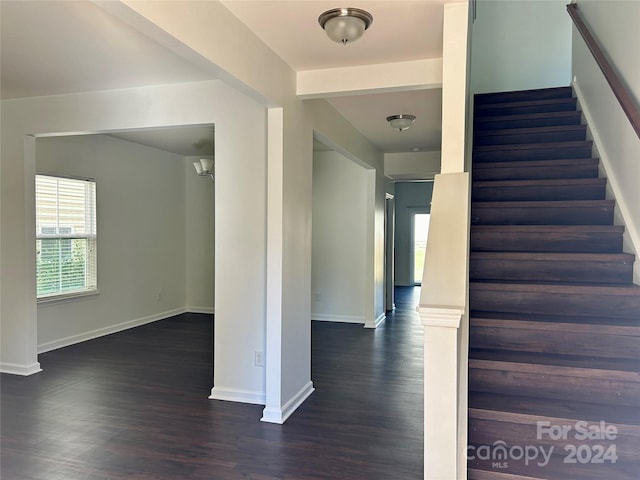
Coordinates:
[618,88]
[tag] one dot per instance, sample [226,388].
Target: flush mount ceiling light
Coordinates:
[345,25]
[401,122]
[204,167]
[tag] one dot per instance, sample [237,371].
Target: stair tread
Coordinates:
[581,411]
[557,256]
[545,204]
[626,290]
[584,323]
[556,469]
[549,92]
[556,364]
[553,182]
[542,212]
[547,238]
[564,114]
[557,298]
[633,331]
[488,170]
[477,474]
[538,163]
[525,103]
[534,146]
[531,130]
[548,228]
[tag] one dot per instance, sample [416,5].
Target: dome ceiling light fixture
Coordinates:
[401,122]
[204,167]
[345,25]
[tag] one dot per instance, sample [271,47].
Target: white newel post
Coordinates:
[443,297]
[440,390]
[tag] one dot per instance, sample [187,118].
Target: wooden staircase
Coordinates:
[555,317]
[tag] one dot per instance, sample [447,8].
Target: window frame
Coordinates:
[63,231]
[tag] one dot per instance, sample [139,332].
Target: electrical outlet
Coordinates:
[259,358]
[317,297]
[159,295]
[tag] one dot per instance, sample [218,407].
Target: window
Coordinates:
[65,237]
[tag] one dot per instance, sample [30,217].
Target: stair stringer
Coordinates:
[622,211]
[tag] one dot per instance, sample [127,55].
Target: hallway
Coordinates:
[133,405]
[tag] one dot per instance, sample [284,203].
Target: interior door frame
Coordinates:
[389,252]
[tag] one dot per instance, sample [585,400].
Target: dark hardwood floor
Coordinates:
[133,405]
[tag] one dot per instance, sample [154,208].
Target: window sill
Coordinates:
[69,297]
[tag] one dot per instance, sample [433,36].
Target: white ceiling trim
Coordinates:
[381,78]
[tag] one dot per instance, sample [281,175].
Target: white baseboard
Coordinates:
[206,310]
[24,370]
[101,332]
[234,395]
[325,317]
[280,415]
[381,318]
[632,232]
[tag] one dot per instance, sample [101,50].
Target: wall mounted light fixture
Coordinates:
[204,167]
[345,25]
[401,122]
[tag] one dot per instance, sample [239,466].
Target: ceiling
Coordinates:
[402,30]
[57,47]
[189,141]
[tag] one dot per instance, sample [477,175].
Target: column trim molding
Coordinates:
[449,317]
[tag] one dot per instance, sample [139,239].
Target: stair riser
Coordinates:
[546,242]
[495,110]
[595,191]
[535,173]
[571,472]
[550,270]
[494,154]
[553,342]
[574,304]
[523,95]
[484,215]
[554,386]
[482,139]
[556,470]
[498,123]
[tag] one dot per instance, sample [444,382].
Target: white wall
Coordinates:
[335,131]
[338,262]
[518,45]
[410,198]
[615,25]
[200,241]
[240,215]
[141,236]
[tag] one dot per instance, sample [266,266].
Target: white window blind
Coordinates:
[65,236]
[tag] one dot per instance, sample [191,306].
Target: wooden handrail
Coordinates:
[619,90]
